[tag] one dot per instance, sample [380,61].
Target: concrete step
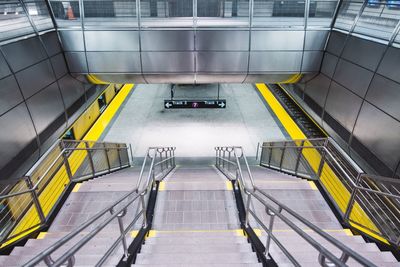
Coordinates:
[83,260]
[202,265]
[194,248]
[197,234]
[198,241]
[200,258]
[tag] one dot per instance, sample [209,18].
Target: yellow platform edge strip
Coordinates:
[328,178]
[53,190]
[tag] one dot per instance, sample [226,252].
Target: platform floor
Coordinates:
[143,121]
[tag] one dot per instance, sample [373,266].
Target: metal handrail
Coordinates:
[152,155]
[255,192]
[375,199]
[56,158]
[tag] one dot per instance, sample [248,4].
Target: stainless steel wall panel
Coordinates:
[10,95]
[336,43]
[51,43]
[389,66]
[72,40]
[315,40]
[167,40]
[270,77]
[71,90]
[220,78]
[353,77]
[159,62]
[311,61]
[318,88]
[16,133]
[277,40]
[343,105]
[113,62]
[222,61]
[112,40]
[363,52]
[222,40]
[121,78]
[4,69]
[45,107]
[59,66]
[385,94]
[329,64]
[170,78]
[275,61]
[76,62]
[24,53]
[35,78]
[379,133]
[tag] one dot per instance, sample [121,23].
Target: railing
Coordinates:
[159,161]
[366,202]
[239,172]
[27,203]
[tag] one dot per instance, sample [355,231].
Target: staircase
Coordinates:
[197,248]
[196,222]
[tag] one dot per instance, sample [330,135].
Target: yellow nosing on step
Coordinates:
[312,185]
[134,233]
[41,235]
[76,187]
[161,186]
[229,186]
[348,232]
[257,231]
[240,232]
[152,233]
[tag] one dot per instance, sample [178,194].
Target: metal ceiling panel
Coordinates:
[363,52]
[385,94]
[35,78]
[10,94]
[72,40]
[222,61]
[336,43]
[275,61]
[17,122]
[113,62]
[167,40]
[71,90]
[372,127]
[112,40]
[24,53]
[45,107]
[353,77]
[76,62]
[389,66]
[276,40]
[59,65]
[343,105]
[329,64]
[222,40]
[315,40]
[162,62]
[318,88]
[311,61]
[51,43]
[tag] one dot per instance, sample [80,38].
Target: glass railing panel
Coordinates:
[66,13]
[223,13]
[39,13]
[167,13]
[321,13]
[13,20]
[347,14]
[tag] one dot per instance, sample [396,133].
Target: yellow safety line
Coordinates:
[161,186]
[41,235]
[56,186]
[229,186]
[312,185]
[328,178]
[93,79]
[76,187]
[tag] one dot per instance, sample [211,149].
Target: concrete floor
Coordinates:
[143,121]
